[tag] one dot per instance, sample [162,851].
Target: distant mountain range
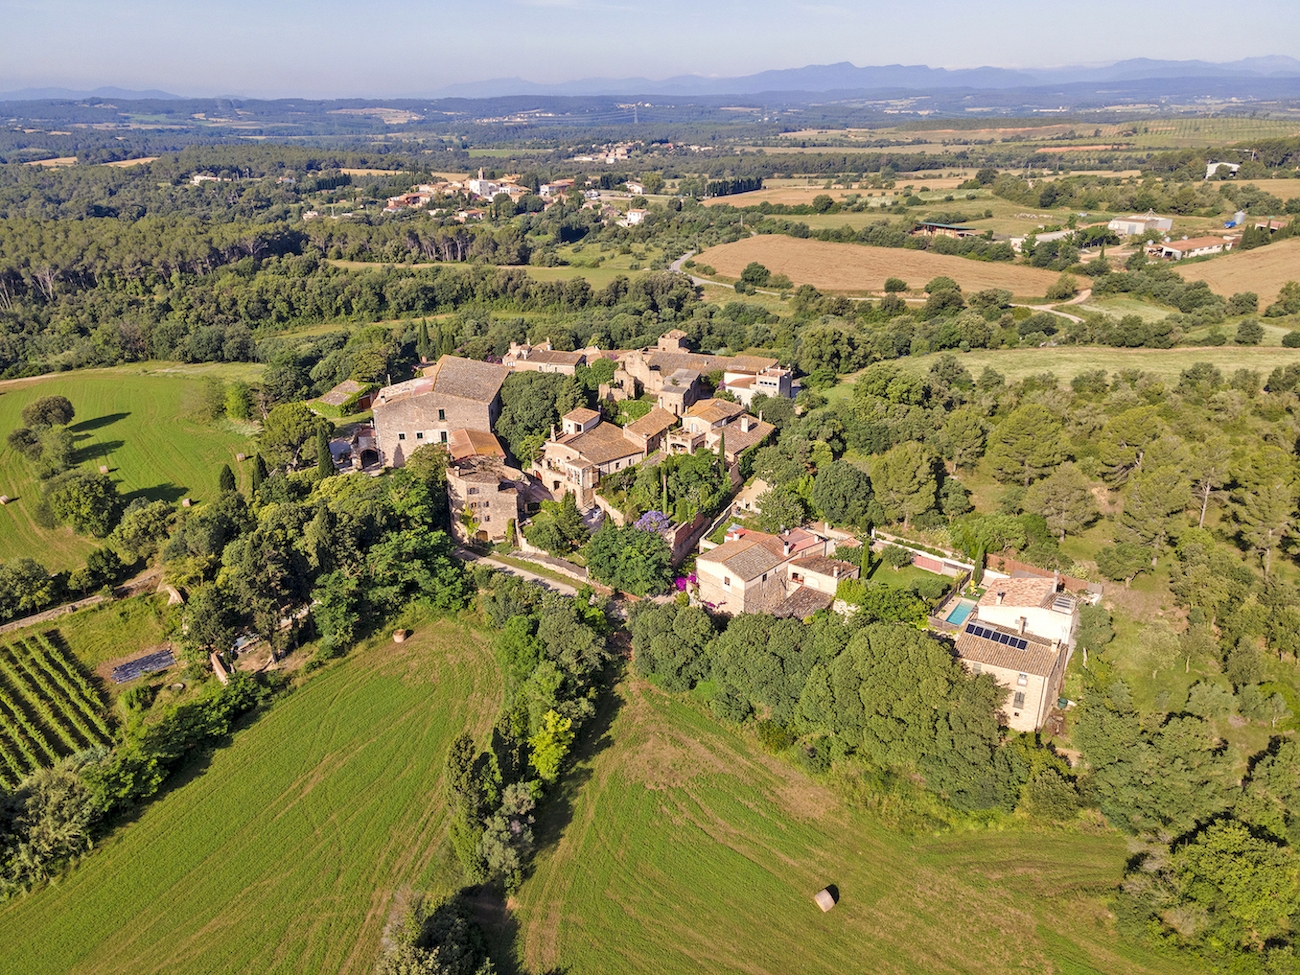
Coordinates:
[844,77]
[61,94]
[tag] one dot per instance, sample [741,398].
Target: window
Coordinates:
[487,518]
[401,436]
[1022,680]
[726,582]
[472,490]
[976,667]
[442,414]
[444,436]
[419,435]
[1019,700]
[765,577]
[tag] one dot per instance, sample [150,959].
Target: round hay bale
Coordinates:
[399,636]
[103,468]
[4,499]
[185,502]
[240,458]
[825,899]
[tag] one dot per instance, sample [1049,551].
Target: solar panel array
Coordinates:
[142,665]
[998,637]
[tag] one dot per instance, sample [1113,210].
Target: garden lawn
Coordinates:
[687,850]
[289,850]
[142,421]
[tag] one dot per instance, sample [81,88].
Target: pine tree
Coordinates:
[226,479]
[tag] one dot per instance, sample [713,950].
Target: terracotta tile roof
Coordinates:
[822,565]
[982,641]
[653,423]
[555,357]
[603,444]
[580,416]
[667,362]
[473,443]
[746,558]
[715,410]
[467,378]
[1018,592]
[738,440]
[803,602]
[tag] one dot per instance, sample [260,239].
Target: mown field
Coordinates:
[857,268]
[288,852]
[687,850]
[141,421]
[1262,270]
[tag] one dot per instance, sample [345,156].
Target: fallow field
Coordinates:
[1262,270]
[856,268]
[141,422]
[687,850]
[289,850]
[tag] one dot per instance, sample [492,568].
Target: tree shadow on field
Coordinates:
[93,451]
[98,422]
[170,493]
[500,926]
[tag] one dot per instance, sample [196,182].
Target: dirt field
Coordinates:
[856,268]
[53,163]
[1263,270]
[126,163]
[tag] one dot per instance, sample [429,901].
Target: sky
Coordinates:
[393,48]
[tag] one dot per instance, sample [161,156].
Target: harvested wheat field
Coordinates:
[858,268]
[1263,270]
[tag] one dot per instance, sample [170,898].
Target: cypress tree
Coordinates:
[422,346]
[259,471]
[226,479]
[324,460]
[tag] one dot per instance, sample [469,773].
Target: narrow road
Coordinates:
[1078,299]
[544,581]
[677,266]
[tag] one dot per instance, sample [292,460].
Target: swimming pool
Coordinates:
[960,612]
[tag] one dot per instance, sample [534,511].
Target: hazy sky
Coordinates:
[328,48]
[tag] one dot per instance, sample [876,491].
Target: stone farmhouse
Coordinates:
[586,448]
[1030,667]
[755,572]
[1022,632]
[452,394]
[483,495]
[671,373]
[543,358]
[714,423]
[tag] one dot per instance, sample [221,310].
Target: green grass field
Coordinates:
[687,850]
[138,420]
[287,852]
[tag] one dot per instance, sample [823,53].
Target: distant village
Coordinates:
[1017,624]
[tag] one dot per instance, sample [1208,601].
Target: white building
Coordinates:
[1136,224]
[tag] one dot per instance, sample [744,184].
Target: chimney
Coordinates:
[835,573]
[552,431]
[744,424]
[1001,595]
[1056,580]
[1023,623]
[785,546]
[1056,645]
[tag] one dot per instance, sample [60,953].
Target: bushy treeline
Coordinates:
[551,650]
[875,696]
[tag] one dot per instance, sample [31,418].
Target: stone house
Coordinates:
[483,496]
[714,423]
[1028,666]
[748,572]
[574,461]
[542,358]
[452,394]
